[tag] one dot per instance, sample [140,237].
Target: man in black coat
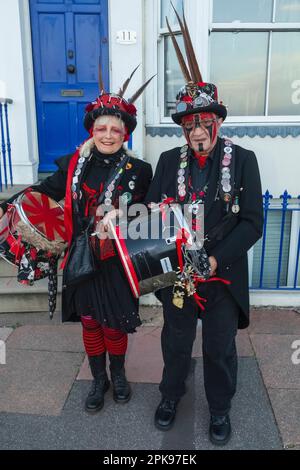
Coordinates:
[225,178]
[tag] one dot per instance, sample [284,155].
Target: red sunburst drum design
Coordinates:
[44,214]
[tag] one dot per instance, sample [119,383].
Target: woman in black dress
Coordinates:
[100,170]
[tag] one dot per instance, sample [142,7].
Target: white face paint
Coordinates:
[108,133]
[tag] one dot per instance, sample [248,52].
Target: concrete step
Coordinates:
[11,190]
[7,269]
[15,297]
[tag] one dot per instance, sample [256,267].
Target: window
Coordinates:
[254,51]
[173,79]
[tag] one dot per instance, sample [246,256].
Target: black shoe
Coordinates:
[95,399]
[165,414]
[121,387]
[219,430]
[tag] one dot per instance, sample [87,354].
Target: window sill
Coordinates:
[255,130]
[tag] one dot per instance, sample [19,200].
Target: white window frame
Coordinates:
[203,10]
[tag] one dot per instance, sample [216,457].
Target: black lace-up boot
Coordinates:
[219,430]
[100,385]
[165,414]
[121,388]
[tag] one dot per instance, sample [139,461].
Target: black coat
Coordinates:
[115,294]
[242,231]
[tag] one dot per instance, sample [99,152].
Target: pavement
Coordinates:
[46,378]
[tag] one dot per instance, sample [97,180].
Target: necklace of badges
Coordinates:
[226,177]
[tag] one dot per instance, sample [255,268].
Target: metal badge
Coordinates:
[228,150]
[226,188]
[235,208]
[128,166]
[75,180]
[126,198]
[228,143]
[183,164]
[74,195]
[77,172]
[227,197]
[184,149]
[131,184]
[134,177]
[226,162]
[73,187]
[180,179]
[108,194]
[81,160]
[107,202]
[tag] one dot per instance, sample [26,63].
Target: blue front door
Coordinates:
[68,38]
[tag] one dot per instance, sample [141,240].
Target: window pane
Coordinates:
[285,74]
[167,10]
[254,11]
[173,76]
[287,11]
[272,252]
[239,68]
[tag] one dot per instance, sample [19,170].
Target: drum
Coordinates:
[151,261]
[39,221]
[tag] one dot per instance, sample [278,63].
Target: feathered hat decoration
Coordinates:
[114,104]
[196,96]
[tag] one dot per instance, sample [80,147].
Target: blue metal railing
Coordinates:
[5,149]
[288,206]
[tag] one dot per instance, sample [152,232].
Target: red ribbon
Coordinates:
[163,205]
[201,159]
[182,239]
[68,203]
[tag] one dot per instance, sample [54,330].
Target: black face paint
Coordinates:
[197,121]
[210,131]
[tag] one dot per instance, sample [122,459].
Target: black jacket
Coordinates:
[242,230]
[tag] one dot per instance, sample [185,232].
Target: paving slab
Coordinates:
[67,338]
[146,346]
[5,333]
[274,354]
[29,318]
[252,419]
[37,382]
[144,362]
[276,321]
[286,407]
[131,426]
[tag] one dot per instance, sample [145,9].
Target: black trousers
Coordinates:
[219,329]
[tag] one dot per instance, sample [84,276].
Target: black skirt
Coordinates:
[107,298]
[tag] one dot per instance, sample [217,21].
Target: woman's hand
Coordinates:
[213,265]
[102,226]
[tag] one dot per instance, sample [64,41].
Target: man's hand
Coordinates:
[213,265]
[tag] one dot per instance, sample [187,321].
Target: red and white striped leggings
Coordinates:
[97,338]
